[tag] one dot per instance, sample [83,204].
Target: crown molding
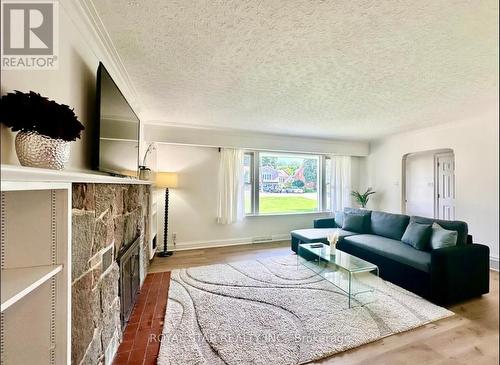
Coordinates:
[86,19]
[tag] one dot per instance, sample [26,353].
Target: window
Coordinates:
[285,183]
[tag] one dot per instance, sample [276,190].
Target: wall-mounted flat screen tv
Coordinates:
[117,129]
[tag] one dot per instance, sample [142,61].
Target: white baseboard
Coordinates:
[494,263]
[181,246]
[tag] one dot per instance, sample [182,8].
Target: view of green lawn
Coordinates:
[283,203]
[286,204]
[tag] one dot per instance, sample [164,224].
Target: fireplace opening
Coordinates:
[128,261]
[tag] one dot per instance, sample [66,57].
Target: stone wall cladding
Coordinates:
[102,215]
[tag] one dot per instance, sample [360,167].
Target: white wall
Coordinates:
[475,144]
[193,206]
[357,171]
[72,84]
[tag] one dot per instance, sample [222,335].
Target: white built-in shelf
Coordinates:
[36,287]
[22,173]
[19,282]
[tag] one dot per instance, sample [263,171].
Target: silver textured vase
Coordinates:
[36,150]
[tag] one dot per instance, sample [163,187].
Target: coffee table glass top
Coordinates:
[339,258]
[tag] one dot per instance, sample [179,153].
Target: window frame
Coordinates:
[255,182]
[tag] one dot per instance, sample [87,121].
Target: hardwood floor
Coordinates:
[469,337]
[219,255]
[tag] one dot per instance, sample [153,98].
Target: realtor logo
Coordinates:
[29,35]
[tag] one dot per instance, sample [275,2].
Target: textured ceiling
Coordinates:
[333,69]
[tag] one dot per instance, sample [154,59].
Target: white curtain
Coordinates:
[230,207]
[341,183]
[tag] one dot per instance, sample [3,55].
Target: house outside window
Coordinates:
[279,183]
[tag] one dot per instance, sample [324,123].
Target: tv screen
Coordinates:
[118,129]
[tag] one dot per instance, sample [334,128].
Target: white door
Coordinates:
[445,189]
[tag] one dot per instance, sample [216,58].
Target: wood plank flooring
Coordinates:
[469,337]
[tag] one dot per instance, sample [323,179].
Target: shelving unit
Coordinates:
[35,272]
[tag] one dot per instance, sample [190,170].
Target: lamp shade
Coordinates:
[166,180]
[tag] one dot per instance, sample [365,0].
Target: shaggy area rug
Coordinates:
[272,311]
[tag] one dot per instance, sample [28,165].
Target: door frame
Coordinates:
[434,152]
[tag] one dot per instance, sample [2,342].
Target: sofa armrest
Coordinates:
[324,223]
[469,239]
[459,272]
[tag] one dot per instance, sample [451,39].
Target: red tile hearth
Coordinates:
[141,343]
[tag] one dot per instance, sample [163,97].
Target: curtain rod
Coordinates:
[286,152]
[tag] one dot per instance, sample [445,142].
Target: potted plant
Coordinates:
[45,128]
[362,198]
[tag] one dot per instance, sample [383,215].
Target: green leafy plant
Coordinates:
[31,112]
[362,198]
[298,184]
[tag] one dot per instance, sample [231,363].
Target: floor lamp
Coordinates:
[166,180]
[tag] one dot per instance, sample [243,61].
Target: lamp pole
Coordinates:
[165,252]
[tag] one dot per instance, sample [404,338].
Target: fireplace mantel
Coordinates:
[21,173]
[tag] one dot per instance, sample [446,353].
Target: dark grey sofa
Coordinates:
[444,276]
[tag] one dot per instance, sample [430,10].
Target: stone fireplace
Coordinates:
[108,221]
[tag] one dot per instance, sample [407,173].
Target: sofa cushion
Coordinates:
[389,225]
[442,237]
[392,249]
[324,223]
[354,223]
[339,219]
[363,212]
[318,234]
[459,226]
[417,235]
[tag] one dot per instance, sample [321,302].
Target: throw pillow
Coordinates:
[442,237]
[354,223]
[339,219]
[417,235]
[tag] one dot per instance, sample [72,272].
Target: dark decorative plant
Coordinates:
[31,112]
[362,198]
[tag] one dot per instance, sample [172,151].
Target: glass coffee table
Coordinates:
[338,267]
